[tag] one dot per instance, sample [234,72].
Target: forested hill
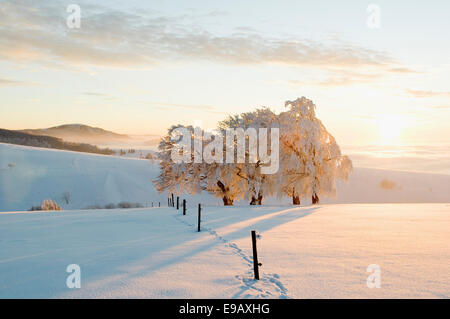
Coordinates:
[79,133]
[19,138]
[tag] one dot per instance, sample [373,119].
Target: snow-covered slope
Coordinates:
[313,251]
[306,252]
[30,175]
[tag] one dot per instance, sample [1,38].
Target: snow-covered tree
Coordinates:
[223,181]
[258,184]
[229,163]
[190,175]
[178,176]
[310,159]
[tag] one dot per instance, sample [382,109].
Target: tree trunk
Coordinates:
[227,201]
[259,199]
[295,199]
[256,200]
[315,199]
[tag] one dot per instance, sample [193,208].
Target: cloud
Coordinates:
[440,107]
[425,94]
[167,106]
[96,94]
[402,70]
[8,82]
[340,77]
[111,38]
[423,158]
[365,116]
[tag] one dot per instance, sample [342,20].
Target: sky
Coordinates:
[378,72]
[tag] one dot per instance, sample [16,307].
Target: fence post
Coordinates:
[256,264]
[184,207]
[173,202]
[152,204]
[199,216]
[159,204]
[178,202]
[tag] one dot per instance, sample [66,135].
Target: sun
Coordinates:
[391,127]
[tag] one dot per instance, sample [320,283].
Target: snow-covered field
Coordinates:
[30,175]
[307,252]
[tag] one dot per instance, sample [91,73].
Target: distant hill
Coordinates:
[21,138]
[80,133]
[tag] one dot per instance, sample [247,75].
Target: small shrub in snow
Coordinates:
[388,184]
[96,206]
[129,205]
[123,205]
[47,204]
[66,197]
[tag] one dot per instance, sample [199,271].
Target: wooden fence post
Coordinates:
[256,264]
[159,204]
[178,202]
[199,216]
[173,202]
[184,207]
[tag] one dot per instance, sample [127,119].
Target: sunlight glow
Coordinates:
[391,128]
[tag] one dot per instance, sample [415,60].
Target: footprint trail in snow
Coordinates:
[269,285]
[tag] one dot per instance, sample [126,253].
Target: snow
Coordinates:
[30,175]
[306,252]
[38,174]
